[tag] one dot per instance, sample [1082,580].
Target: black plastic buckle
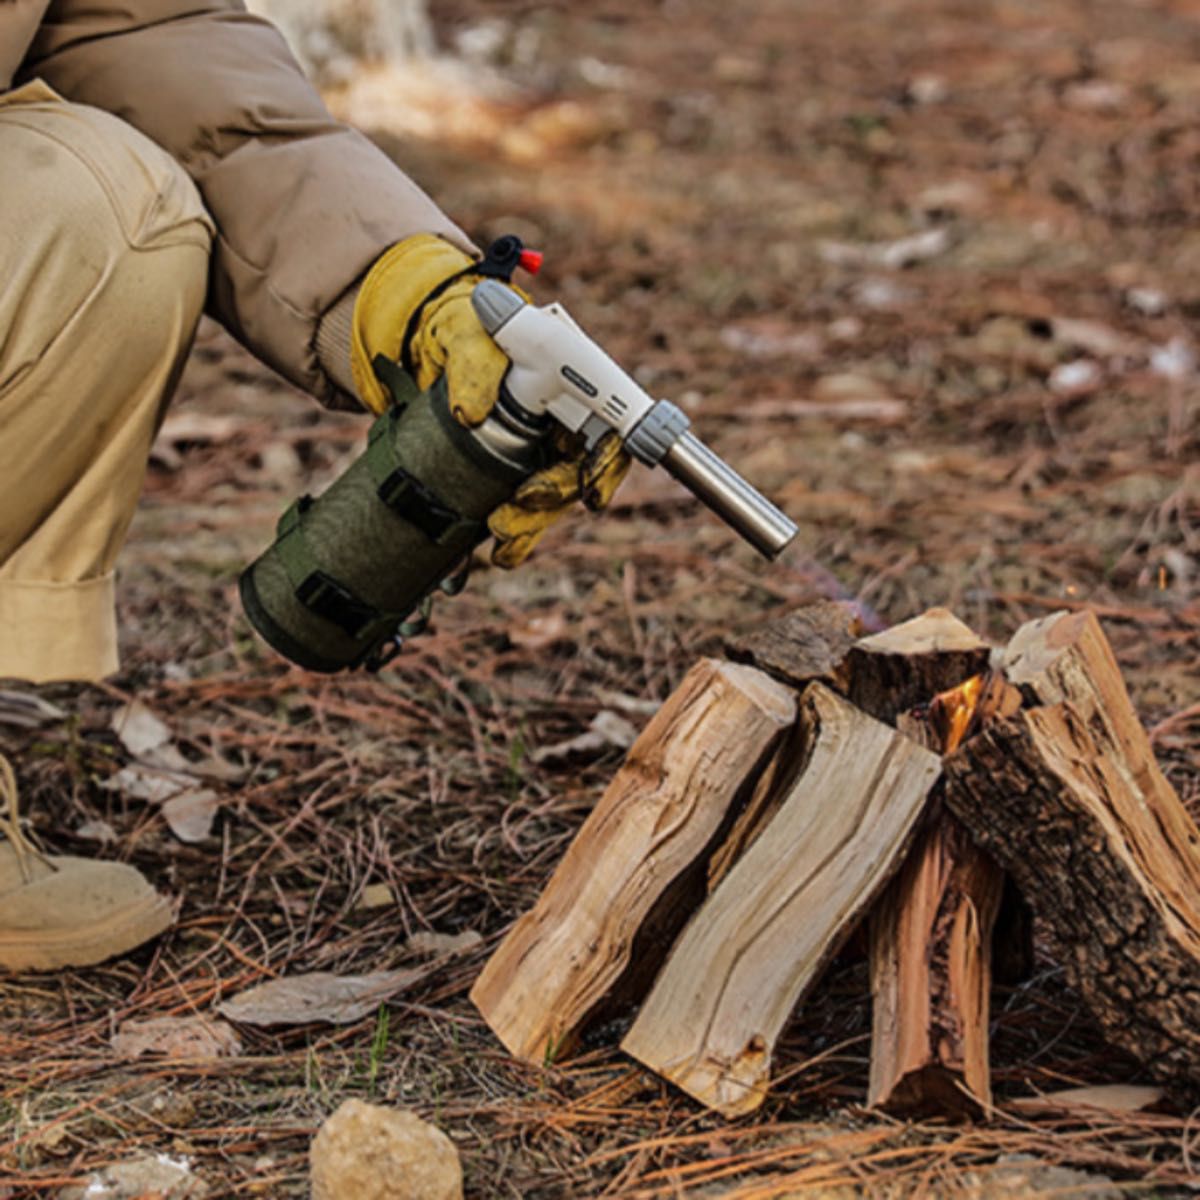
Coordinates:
[323,595]
[411,499]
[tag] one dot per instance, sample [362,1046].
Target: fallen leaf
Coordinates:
[1150,302]
[139,729]
[606,729]
[538,632]
[1175,360]
[376,895]
[1075,378]
[148,783]
[882,409]
[771,337]
[1115,1097]
[155,1177]
[1096,95]
[190,814]
[439,944]
[177,1037]
[1094,337]
[183,427]
[319,996]
[638,706]
[901,252]
[96,831]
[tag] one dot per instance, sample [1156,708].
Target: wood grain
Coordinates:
[760,940]
[606,919]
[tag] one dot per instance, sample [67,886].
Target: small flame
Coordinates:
[954,710]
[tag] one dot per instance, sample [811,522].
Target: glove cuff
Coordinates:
[391,295]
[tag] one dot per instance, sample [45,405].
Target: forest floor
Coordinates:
[927,273]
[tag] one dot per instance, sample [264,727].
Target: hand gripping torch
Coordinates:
[557,370]
[352,573]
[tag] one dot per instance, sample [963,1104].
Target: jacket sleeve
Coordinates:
[302,203]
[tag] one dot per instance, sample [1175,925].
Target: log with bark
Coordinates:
[1068,797]
[777,836]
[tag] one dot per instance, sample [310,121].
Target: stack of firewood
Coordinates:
[917,783]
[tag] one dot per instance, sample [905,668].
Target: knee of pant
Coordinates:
[100,223]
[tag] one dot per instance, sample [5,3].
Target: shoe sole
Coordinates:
[90,944]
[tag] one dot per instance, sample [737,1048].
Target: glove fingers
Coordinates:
[603,471]
[555,487]
[474,372]
[517,531]
[452,339]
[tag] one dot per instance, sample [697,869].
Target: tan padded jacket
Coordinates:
[303,204]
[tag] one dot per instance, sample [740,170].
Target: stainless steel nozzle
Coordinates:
[720,487]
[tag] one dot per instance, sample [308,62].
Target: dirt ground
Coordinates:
[926,271]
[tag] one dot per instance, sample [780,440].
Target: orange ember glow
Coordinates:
[955,709]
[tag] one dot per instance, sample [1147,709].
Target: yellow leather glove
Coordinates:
[449,339]
[546,496]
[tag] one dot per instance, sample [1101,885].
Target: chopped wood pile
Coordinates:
[917,784]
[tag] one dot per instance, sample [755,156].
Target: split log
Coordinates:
[1068,797]
[931,977]
[809,645]
[931,938]
[638,866]
[760,940]
[884,674]
[905,666]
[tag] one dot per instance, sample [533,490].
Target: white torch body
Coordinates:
[558,371]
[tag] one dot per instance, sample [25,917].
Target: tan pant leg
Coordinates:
[104,249]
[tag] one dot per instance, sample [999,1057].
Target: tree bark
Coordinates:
[760,940]
[907,665]
[638,866]
[805,646]
[1068,797]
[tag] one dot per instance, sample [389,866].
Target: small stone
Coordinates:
[1150,302]
[376,895]
[927,89]
[154,1175]
[1075,378]
[365,1152]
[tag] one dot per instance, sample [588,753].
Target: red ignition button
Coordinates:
[531,260]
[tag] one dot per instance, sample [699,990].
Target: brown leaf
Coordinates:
[177,1037]
[435,944]
[190,814]
[319,996]
[1114,1097]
